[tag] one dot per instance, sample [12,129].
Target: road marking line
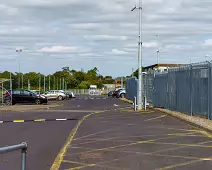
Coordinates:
[18,121]
[61,119]
[40,120]
[79,163]
[60,156]
[180,164]
[120,146]
[155,118]
[93,134]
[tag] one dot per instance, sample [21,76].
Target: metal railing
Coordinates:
[22,147]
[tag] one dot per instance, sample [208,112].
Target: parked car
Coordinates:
[110,93]
[115,93]
[55,95]
[69,95]
[121,93]
[24,96]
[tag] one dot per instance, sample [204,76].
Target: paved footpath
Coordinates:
[122,139]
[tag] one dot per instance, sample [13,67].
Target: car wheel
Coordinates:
[37,101]
[60,98]
[122,95]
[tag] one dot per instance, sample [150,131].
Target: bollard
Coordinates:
[135,104]
[144,103]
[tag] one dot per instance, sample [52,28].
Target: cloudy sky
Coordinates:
[83,34]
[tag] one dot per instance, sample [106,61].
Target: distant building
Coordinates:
[160,67]
[109,86]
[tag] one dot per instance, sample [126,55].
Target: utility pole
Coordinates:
[44,84]
[11,87]
[54,83]
[19,67]
[57,83]
[121,82]
[60,83]
[39,83]
[22,81]
[28,84]
[49,83]
[63,83]
[140,81]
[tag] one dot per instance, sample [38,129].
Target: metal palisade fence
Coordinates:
[186,89]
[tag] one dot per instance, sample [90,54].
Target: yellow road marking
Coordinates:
[120,146]
[164,150]
[18,121]
[181,144]
[92,134]
[155,118]
[201,132]
[181,164]
[40,120]
[60,156]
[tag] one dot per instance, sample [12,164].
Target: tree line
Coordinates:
[64,79]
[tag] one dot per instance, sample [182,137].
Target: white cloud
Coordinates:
[208,42]
[86,26]
[118,52]
[94,28]
[150,45]
[105,37]
[59,49]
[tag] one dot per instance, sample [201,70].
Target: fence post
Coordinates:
[191,90]
[135,104]
[144,102]
[209,91]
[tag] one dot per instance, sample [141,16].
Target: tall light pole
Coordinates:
[44,83]
[140,81]
[39,84]
[158,51]
[49,83]
[19,73]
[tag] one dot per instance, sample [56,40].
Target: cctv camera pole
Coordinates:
[140,82]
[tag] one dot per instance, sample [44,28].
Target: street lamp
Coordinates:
[140,81]
[158,51]
[19,78]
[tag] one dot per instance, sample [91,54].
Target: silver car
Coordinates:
[55,95]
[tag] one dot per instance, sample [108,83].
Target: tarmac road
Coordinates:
[45,139]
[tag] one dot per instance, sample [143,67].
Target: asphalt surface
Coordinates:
[117,138]
[123,139]
[44,139]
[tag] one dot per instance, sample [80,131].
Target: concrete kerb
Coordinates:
[28,107]
[198,122]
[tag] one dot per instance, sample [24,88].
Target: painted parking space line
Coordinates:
[155,118]
[60,157]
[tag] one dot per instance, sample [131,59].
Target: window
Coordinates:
[16,92]
[26,93]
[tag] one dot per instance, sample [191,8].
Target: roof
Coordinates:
[163,65]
